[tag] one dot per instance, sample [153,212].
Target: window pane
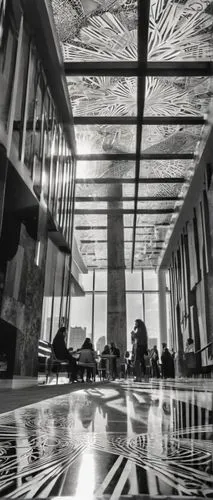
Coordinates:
[150,280]
[101,280]
[100,321]
[87,281]
[167,280]
[133,280]
[152,318]
[170,333]
[134,310]
[81,320]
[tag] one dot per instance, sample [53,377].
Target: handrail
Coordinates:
[204,348]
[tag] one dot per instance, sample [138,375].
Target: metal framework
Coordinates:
[138,115]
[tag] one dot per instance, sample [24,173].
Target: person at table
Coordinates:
[62,353]
[139,348]
[114,351]
[104,361]
[87,360]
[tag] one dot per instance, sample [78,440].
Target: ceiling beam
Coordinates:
[132,120]
[133,68]
[126,198]
[103,228]
[148,180]
[132,156]
[113,211]
[87,242]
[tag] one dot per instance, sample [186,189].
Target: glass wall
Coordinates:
[89,313]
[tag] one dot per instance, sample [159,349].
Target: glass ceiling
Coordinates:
[139,95]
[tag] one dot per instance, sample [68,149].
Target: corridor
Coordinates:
[111,439]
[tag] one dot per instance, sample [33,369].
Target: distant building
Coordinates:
[152,341]
[77,336]
[100,343]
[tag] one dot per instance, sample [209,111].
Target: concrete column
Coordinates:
[209,277]
[3,176]
[116,298]
[162,306]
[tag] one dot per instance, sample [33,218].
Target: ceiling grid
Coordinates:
[139,77]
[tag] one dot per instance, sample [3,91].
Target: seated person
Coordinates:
[87,360]
[62,353]
[114,366]
[104,363]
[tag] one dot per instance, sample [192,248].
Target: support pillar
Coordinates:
[162,306]
[116,298]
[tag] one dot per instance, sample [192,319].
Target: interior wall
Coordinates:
[22,299]
[191,277]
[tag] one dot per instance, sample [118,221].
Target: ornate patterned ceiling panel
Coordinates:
[103,96]
[91,220]
[117,96]
[92,234]
[93,139]
[170,138]
[128,234]
[99,250]
[166,168]
[128,220]
[160,190]
[155,205]
[100,190]
[180,30]
[153,219]
[177,96]
[104,168]
[91,205]
[106,31]
[97,30]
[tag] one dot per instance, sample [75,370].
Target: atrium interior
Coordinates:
[106,218]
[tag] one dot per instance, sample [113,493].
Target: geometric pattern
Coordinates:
[106,45]
[123,439]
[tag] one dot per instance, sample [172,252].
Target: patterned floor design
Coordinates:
[118,439]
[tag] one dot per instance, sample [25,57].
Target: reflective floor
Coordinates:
[116,439]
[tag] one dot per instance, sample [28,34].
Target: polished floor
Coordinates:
[115,439]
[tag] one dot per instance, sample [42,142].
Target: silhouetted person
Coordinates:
[139,336]
[104,362]
[154,362]
[190,358]
[167,363]
[62,353]
[115,351]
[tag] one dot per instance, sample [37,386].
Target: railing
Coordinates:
[205,359]
[204,348]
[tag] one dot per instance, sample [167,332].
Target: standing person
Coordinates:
[115,352]
[140,342]
[189,358]
[154,362]
[104,363]
[167,362]
[62,353]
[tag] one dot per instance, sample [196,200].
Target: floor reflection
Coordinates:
[113,440]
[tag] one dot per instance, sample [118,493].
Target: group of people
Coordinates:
[85,358]
[108,362]
[144,361]
[141,362]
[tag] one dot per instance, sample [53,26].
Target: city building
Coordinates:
[77,337]
[106,197]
